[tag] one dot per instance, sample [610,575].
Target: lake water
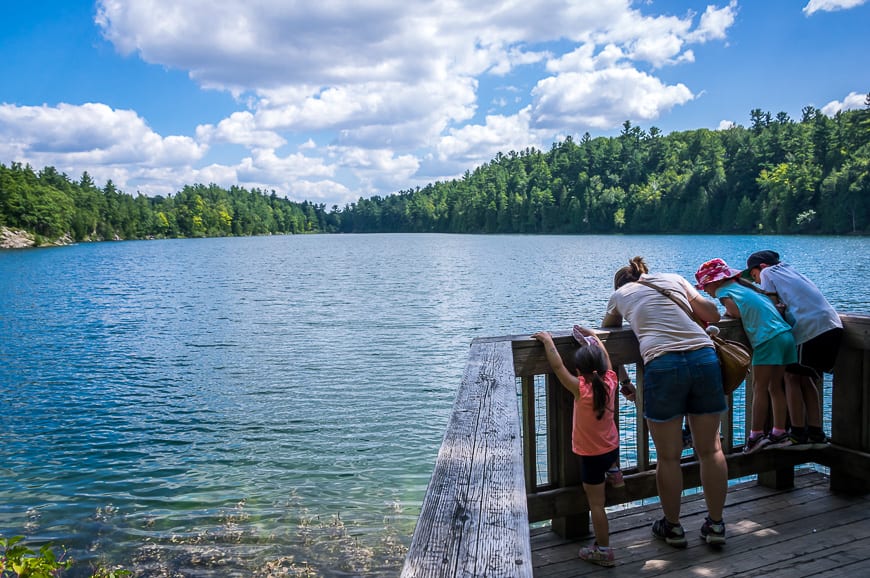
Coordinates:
[226,407]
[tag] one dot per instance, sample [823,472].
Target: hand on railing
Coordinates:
[628,390]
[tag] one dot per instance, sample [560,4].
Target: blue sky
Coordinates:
[334,100]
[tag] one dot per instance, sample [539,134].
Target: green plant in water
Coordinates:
[17,560]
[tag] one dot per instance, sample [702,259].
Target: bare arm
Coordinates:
[704,309]
[626,388]
[730,307]
[612,320]
[568,381]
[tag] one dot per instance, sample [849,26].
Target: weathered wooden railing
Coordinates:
[485,489]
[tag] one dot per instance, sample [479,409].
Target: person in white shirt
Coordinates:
[817,331]
[681,377]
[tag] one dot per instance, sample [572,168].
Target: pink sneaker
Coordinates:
[598,555]
[582,339]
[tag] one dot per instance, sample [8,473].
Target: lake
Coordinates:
[230,407]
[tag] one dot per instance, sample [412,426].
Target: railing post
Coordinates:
[641,426]
[565,463]
[850,411]
[530,440]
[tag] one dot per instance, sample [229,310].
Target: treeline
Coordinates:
[778,176]
[48,204]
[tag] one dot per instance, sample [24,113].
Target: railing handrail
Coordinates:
[474,519]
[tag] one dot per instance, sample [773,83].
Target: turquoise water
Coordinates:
[219,407]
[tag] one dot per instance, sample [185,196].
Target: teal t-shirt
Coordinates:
[761,319]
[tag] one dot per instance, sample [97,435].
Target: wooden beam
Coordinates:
[474,520]
[642,485]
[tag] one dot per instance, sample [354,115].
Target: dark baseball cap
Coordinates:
[759,258]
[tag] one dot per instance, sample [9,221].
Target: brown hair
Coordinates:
[591,362]
[636,267]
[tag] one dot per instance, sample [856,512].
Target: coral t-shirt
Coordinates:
[592,436]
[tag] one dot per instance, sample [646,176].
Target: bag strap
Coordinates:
[772,294]
[669,294]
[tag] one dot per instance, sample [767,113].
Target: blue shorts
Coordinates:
[592,468]
[683,382]
[778,350]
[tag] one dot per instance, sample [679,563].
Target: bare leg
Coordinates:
[760,399]
[811,400]
[714,468]
[768,378]
[795,399]
[668,439]
[595,495]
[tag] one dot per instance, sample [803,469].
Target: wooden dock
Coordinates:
[803,531]
[506,463]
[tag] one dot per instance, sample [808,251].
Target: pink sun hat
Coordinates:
[712,271]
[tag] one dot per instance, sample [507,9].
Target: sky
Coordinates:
[331,101]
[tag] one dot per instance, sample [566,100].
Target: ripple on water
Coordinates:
[223,407]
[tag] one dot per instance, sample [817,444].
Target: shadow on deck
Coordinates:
[803,531]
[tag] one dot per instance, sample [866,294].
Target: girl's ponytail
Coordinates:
[591,362]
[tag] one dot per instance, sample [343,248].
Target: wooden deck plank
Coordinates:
[799,532]
[474,519]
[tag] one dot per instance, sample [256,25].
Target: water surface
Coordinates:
[213,407]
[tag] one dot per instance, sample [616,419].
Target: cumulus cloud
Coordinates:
[91,133]
[240,128]
[475,144]
[852,101]
[602,99]
[340,99]
[814,6]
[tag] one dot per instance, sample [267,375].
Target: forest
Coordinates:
[776,176]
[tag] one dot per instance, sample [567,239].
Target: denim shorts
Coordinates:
[683,382]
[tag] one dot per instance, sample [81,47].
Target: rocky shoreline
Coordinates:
[11,239]
[19,239]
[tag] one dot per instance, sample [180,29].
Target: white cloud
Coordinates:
[602,99]
[726,124]
[814,6]
[472,145]
[375,96]
[715,23]
[852,101]
[93,134]
[379,169]
[240,128]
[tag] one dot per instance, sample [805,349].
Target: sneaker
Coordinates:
[598,555]
[577,333]
[818,441]
[673,535]
[799,441]
[614,478]
[713,533]
[781,441]
[755,444]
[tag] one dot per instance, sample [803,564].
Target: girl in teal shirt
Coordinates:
[772,343]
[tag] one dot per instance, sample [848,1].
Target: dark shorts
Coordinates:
[592,468]
[684,382]
[818,355]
